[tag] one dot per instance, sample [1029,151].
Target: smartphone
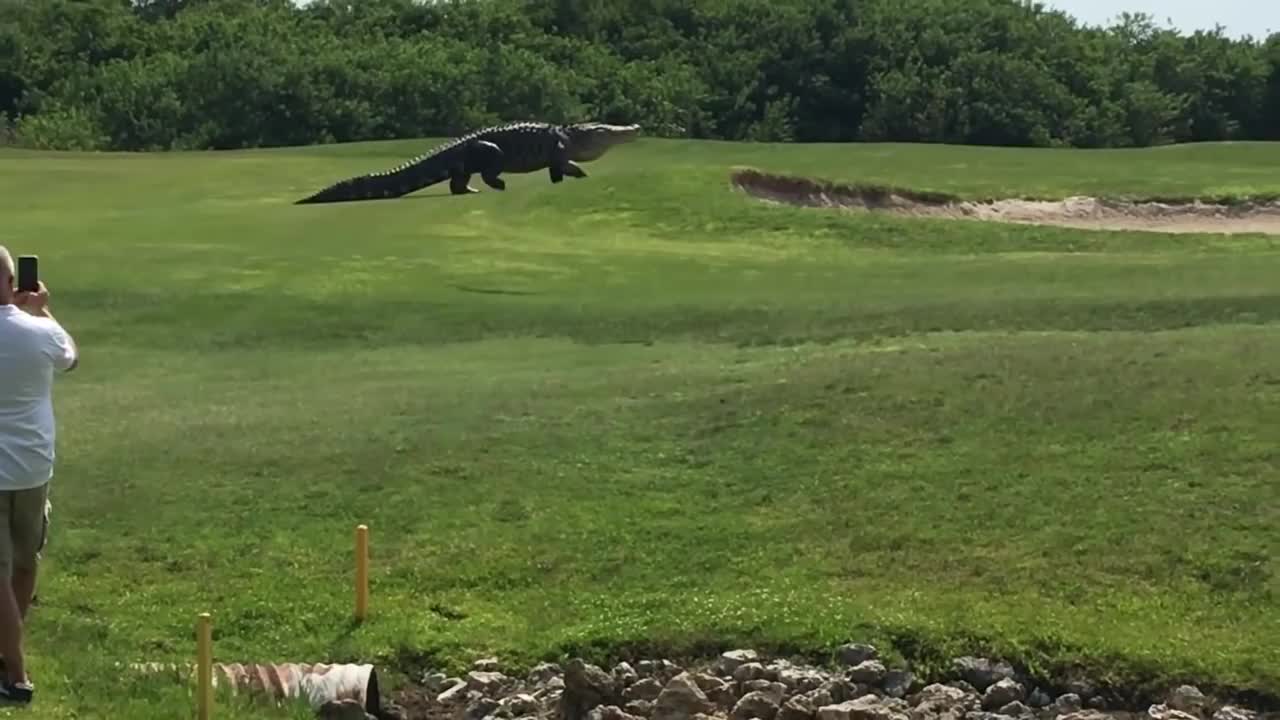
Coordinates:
[28,273]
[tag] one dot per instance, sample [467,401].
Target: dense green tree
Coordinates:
[168,74]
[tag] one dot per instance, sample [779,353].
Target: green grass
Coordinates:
[644,411]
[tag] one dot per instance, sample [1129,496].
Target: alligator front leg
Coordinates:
[559,170]
[560,164]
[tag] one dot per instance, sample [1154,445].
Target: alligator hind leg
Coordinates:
[460,182]
[487,159]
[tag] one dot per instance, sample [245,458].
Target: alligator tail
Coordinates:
[412,176]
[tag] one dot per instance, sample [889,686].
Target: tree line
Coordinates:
[215,74]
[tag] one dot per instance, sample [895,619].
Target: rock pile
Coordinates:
[742,685]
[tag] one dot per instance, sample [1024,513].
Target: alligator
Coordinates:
[518,147]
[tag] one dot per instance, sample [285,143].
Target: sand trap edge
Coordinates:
[1080,212]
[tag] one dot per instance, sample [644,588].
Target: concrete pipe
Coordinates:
[318,683]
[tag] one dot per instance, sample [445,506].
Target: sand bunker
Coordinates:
[1074,212]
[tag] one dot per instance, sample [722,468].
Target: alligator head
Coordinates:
[590,140]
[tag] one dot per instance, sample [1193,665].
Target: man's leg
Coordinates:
[10,615]
[24,519]
[28,542]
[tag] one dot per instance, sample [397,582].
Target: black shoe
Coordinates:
[16,692]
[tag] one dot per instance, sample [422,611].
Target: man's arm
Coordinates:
[62,347]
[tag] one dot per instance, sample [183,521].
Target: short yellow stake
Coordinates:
[204,666]
[362,572]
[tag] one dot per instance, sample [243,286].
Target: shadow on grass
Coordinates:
[491,291]
[238,321]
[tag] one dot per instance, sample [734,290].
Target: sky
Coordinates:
[1259,18]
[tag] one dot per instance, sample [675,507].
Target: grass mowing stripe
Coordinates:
[642,410]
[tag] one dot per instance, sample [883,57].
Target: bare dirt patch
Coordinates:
[1075,212]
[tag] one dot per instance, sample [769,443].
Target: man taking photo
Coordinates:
[32,346]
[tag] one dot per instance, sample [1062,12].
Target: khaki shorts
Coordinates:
[24,528]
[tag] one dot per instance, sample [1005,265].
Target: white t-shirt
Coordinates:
[30,348]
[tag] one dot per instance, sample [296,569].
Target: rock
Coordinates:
[800,681]
[1187,699]
[867,672]
[551,690]
[1068,704]
[774,670]
[481,708]
[343,710]
[521,704]
[857,653]
[780,689]
[897,683]
[981,673]
[454,693]
[706,681]
[756,704]
[1015,709]
[867,707]
[1086,715]
[733,659]
[1039,698]
[680,699]
[585,687]
[661,670]
[1002,693]
[641,708]
[646,689]
[1083,688]
[1165,712]
[609,712]
[942,702]
[543,672]
[774,689]
[624,674]
[718,691]
[818,698]
[1232,712]
[840,689]
[486,681]
[896,705]
[941,696]
[799,707]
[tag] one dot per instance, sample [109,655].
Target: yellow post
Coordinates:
[362,572]
[204,666]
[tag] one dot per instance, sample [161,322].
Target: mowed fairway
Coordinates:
[644,410]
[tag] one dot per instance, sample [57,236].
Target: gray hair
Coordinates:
[6,262]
